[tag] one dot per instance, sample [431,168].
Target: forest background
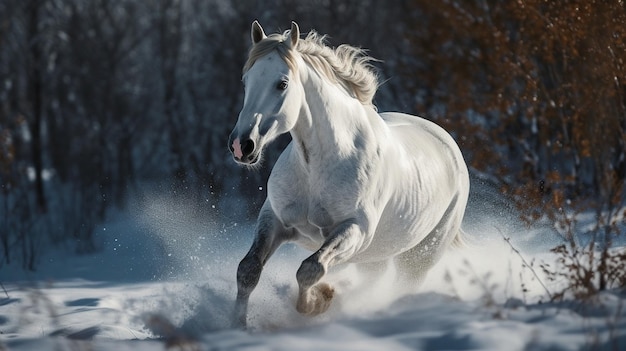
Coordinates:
[101,100]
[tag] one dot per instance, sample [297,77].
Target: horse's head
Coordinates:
[273,95]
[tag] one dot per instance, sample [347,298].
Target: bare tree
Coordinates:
[35,69]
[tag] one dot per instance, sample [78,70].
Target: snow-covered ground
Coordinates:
[164,279]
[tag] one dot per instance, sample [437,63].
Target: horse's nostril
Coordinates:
[248,147]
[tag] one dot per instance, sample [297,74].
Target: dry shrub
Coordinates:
[585,271]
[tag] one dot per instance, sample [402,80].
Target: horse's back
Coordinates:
[423,142]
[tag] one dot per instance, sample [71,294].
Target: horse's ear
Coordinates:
[257,32]
[294,34]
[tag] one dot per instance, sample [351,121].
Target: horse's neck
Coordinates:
[328,122]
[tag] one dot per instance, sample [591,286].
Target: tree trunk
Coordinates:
[36,96]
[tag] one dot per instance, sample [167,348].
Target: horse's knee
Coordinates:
[310,272]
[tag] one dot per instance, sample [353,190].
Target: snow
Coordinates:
[165,279]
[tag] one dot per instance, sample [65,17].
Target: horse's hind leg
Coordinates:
[416,262]
[314,297]
[413,264]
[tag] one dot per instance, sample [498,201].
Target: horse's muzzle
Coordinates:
[244,151]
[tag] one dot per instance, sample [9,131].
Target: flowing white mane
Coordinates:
[345,65]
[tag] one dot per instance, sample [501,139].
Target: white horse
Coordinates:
[353,185]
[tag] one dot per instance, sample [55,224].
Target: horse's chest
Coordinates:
[307,206]
[303,213]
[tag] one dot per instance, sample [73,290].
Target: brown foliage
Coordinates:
[534,89]
[535,92]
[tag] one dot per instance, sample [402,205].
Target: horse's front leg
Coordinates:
[343,242]
[270,234]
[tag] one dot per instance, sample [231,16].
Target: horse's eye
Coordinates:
[282,85]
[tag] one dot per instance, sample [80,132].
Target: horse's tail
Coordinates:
[459,241]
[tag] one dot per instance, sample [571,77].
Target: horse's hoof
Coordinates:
[240,316]
[239,322]
[316,300]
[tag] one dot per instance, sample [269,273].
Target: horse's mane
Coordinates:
[345,65]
